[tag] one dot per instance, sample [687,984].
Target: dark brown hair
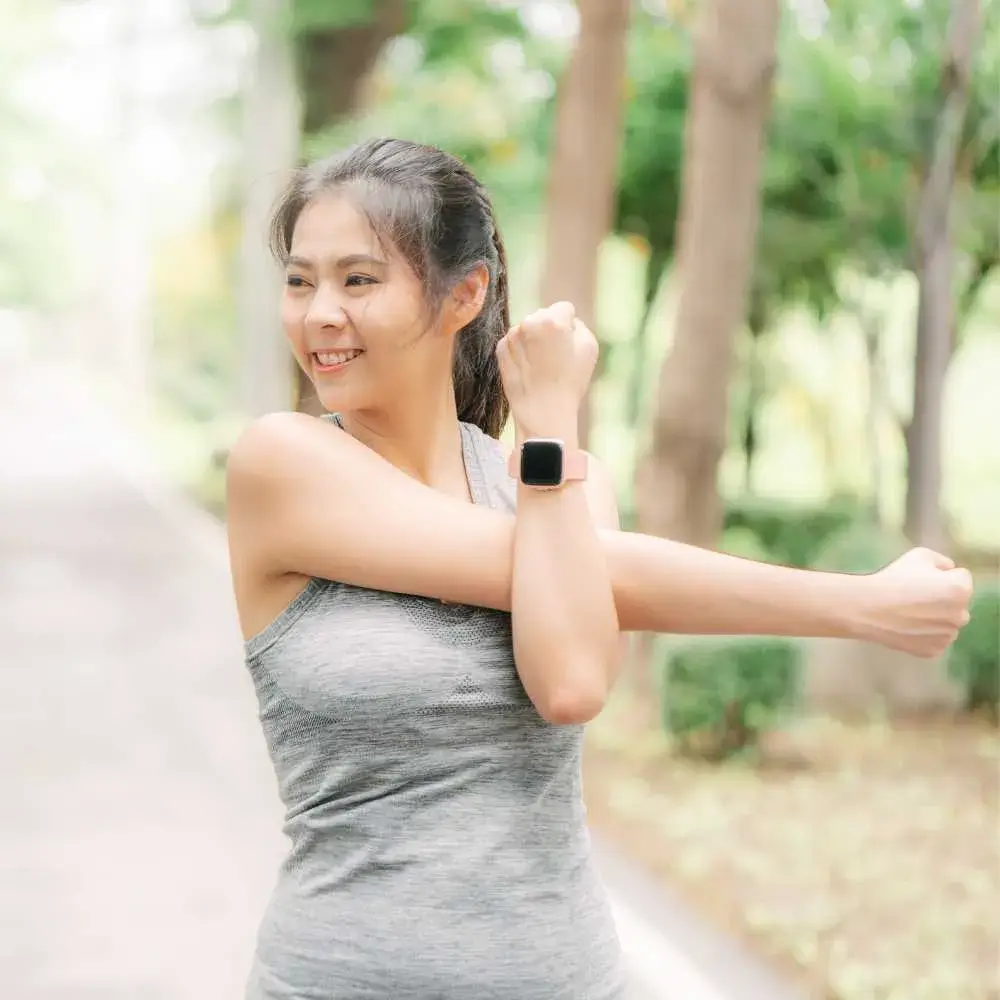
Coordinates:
[432,209]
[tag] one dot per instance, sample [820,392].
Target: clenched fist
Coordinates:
[917,604]
[546,364]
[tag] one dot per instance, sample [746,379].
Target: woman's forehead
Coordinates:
[335,224]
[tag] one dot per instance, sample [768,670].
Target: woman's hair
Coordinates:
[430,207]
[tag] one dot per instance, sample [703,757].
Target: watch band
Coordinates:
[574,464]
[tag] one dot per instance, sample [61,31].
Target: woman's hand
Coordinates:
[546,363]
[917,604]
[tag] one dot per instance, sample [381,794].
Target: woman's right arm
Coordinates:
[304,497]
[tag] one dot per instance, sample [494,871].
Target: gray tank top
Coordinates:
[439,847]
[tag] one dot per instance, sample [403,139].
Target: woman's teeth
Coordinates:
[328,359]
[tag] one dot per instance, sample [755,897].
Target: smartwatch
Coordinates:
[545,464]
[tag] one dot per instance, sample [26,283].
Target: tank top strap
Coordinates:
[486,467]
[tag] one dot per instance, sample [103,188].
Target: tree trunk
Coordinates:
[334,64]
[336,61]
[935,311]
[271,144]
[584,162]
[676,491]
[655,267]
[129,295]
[871,325]
[755,401]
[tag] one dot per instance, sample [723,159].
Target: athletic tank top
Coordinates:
[438,840]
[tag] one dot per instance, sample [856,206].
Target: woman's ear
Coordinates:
[468,297]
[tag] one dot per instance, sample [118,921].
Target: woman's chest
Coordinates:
[395,654]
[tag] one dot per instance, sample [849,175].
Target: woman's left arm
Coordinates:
[565,624]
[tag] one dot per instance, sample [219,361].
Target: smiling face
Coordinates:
[355,314]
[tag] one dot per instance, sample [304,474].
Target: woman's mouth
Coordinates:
[334,361]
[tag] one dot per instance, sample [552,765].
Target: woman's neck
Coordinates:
[422,440]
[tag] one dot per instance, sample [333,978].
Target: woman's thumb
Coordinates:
[941,561]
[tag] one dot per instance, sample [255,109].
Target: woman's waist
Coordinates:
[445,940]
[395,828]
[462,863]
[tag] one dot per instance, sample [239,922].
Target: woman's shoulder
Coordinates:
[270,443]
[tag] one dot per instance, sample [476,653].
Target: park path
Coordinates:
[140,825]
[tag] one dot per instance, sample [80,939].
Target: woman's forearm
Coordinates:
[307,499]
[567,640]
[665,586]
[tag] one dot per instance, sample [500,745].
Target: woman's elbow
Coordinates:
[580,699]
[572,711]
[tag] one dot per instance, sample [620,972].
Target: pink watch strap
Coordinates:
[574,464]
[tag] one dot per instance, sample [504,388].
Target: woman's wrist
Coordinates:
[561,426]
[853,602]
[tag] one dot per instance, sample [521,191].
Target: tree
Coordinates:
[734,64]
[42,175]
[584,161]
[649,182]
[270,153]
[337,45]
[935,314]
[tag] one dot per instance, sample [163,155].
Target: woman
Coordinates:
[424,658]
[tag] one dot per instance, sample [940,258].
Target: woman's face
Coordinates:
[355,314]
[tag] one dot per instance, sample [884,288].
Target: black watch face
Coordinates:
[541,463]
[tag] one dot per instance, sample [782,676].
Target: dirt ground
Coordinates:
[861,860]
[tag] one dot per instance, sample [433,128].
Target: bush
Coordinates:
[744,543]
[721,694]
[974,660]
[793,535]
[863,547]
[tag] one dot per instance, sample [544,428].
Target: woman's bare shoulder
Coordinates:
[269,444]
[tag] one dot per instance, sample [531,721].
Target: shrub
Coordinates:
[720,694]
[862,547]
[744,543]
[793,535]
[975,657]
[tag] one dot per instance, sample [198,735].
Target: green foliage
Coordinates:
[313,15]
[36,170]
[854,107]
[463,31]
[974,660]
[792,535]
[649,181]
[721,694]
[742,541]
[862,547]
[197,352]
[470,80]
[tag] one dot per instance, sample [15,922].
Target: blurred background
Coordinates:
[782,220]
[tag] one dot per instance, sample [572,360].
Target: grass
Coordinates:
[861,860]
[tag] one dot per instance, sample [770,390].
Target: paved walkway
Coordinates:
[139,825]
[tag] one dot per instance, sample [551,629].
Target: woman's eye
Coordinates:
[355,280]
[295,281]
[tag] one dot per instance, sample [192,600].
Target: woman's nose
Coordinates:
[325,308]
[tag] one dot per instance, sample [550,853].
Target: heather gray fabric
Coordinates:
[439,848]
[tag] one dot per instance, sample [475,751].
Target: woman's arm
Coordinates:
[303,497]
[564,618]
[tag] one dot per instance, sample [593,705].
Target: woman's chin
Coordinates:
[334,398]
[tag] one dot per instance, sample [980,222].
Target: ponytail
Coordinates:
[479,395]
